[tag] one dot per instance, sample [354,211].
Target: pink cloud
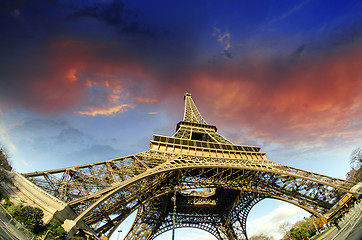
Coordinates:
[315,98]
[68,71]
[94,111]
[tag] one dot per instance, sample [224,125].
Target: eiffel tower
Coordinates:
[196,178]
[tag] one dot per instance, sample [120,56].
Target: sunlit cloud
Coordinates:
[223,38]
[66,70]
[8,144]
[71,76]
[315,101]
[94,111]
[194,234]
[145,100]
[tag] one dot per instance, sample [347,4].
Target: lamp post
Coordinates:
[173,199]
[119,232]
[316,228]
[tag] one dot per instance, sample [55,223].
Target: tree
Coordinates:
[56,230]
[299,233]
[310,221]
[320,221]
[285,230]
[4,164]
[356,158]
[305,228]
[261,237]
[355,174]
[28,216]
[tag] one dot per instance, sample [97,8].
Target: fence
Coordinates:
[16,230]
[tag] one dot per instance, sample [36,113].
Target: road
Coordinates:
[351,227]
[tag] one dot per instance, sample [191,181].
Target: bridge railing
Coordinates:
[14,227]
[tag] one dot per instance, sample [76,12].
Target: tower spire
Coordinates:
[194,127]
[191,113]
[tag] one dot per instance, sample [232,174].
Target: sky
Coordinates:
[85,81]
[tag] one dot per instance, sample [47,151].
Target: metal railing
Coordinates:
[13,228]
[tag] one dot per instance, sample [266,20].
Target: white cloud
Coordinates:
[195,234]
[187,234]
[269,224]
[8,144]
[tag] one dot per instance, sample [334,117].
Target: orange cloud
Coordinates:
[310,101]
[71,76]
[222,37]
[69,71]
[145,100]
[94,111]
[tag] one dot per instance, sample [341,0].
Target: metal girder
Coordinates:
[313,193]
[103,194]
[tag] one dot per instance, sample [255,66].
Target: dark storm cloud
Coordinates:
[28,126]
[93,153]
[345,35]
[297,53]
[117,15]
[137,28]
[70,135]
[112,13]
[228,53]
[54,133]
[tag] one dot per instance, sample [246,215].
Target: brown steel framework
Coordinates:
[219,183]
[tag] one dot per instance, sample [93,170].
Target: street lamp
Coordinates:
[119,232]
[173,199]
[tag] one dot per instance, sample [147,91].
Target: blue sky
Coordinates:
[85,81]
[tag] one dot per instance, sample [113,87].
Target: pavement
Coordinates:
[5,233]
[10,229]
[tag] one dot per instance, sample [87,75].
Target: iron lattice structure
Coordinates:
[219,183]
